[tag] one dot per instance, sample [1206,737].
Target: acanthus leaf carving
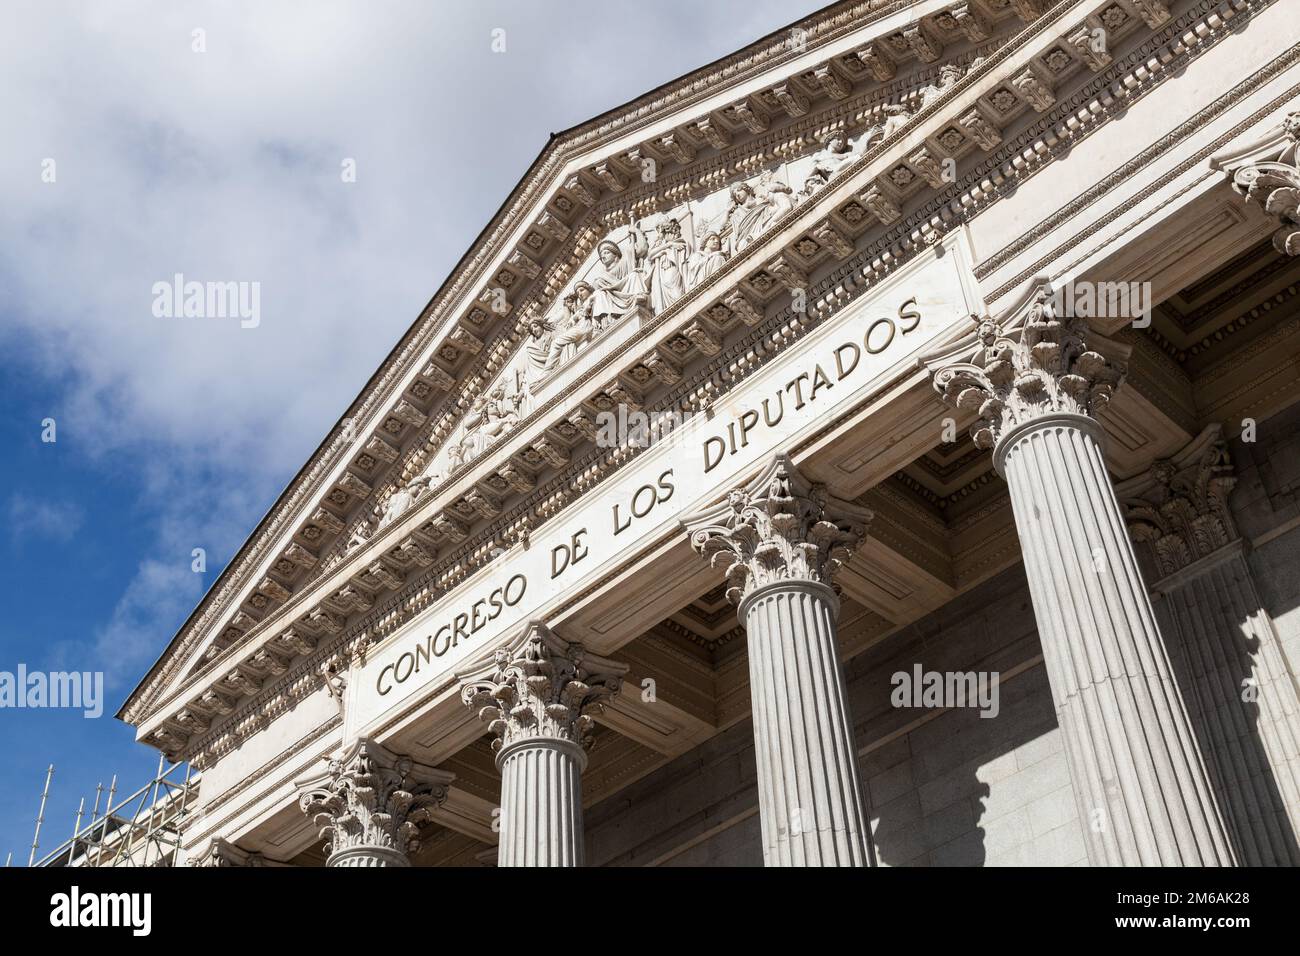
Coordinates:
[374,799]
[778,528]
[1275,186]
[540,686]
[1047,367]
[1180,505]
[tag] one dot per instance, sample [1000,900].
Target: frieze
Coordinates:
[650,263]
[580,543]
[359,537]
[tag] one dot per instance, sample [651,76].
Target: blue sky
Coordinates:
[224,165]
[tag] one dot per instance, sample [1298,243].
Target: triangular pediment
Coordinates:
[621,225]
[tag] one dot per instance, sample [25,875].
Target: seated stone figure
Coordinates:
[617,287]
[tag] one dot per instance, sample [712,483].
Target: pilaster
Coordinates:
[1240,694]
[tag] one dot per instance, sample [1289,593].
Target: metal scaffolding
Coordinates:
[143,829]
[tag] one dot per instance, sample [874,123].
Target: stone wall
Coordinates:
[953,788]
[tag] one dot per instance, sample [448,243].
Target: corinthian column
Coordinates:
[370,804]
[1142,789]
[780,540]
[535,694]
[1239,691]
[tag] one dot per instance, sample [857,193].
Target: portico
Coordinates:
[487,627]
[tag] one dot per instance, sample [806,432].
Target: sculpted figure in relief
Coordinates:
[777,193]
[617,287]
[490,417]
[753,208]
[706,260]
[948,77]
[401,501]
[668,257]
[835,154]
[896,116]
[537,349]
[811,184]
[665,263]
[573,328]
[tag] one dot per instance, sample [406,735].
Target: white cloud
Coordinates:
[224,165]
[34,517]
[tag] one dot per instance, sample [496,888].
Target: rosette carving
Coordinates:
[779,527]
[1275,185]
[371,797]
[1045,368]
[541,686]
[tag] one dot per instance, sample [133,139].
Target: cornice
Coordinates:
[1185,46]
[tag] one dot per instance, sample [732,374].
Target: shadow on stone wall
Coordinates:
[961,790]
[952,788]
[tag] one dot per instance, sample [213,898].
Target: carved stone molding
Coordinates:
[219,852]
[778,527]
[845,20]
[1180,505]
[1267,172]
[1052,365]
[370,804]
[540,686]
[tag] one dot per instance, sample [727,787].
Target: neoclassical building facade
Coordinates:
[879,447]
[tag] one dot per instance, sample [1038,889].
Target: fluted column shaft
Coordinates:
[1038,380]
[781,539]
[809,792]
[367,856]
[541,804]
[1243,701]
[1141,785]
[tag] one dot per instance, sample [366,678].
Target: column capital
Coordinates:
[373,802]
[540,687]
[1267,171]
[779,527]
[1039,365]
[1180,504]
